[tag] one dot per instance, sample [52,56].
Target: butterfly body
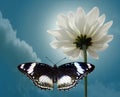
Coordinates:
[65,76]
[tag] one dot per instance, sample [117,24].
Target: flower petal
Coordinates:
[96,26]
[62,34]
[102,31]
[71,19]
[72,27]
[90,30]
[99,47]
[104,39]
[62,21]
[107,26]
[91,21]
[64,43]
[92,16]
[93,53]
[73,53]
[55,33]
[82,53]
[55,44]
[80,20]
[101,19]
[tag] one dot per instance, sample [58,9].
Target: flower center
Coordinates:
[82,41]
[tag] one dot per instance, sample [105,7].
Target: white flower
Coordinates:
[81,29]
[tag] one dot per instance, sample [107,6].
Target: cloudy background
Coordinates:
[24,38]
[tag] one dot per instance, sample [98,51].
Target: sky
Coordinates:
[24,38]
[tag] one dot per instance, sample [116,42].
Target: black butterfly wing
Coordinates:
[70,73]
[40,73]
[83,68]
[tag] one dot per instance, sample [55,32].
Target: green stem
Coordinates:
[85,78]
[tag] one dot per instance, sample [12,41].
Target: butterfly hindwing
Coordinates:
[39,73]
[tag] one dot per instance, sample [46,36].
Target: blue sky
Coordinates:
[24,38]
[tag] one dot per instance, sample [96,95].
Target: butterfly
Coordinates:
[65,76]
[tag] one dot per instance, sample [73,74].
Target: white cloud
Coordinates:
[12,49]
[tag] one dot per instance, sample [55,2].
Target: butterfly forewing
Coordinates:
[40,73]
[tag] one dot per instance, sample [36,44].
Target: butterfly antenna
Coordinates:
[49,60]
[61,60]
